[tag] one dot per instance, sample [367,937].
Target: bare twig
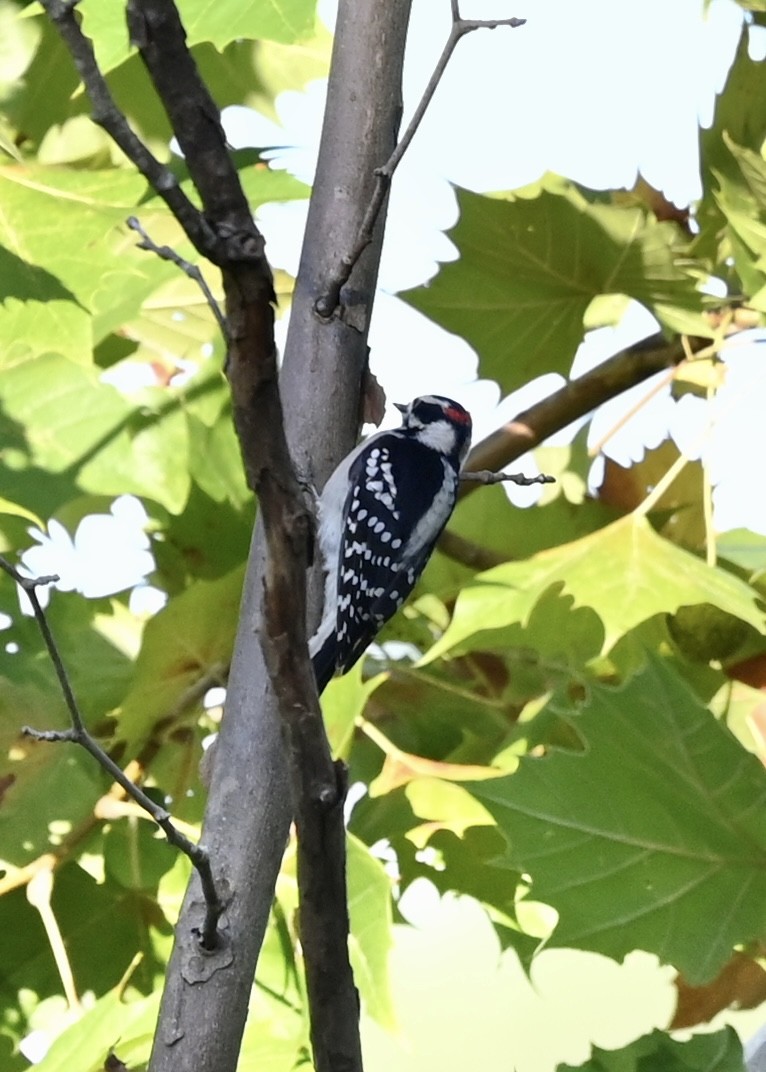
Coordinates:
[78,734]
[165,253]
[485,476]
[327,303]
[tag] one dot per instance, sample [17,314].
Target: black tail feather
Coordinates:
[324,663]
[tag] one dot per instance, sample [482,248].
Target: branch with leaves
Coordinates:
[576,399]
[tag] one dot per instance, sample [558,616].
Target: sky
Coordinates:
[595,90]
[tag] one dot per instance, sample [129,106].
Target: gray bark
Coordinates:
[205,1002]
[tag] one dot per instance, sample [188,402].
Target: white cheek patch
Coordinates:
[439,436]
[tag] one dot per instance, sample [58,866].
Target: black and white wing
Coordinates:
[387,542]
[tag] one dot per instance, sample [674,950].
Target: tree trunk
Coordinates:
[206,996]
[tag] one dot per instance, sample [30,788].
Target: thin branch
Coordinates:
[78,734]
[485,476]
[460,27]
[165,253]
[106,113]
[574,400]
[328,302]
[468,553]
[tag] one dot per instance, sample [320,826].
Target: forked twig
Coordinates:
[167,253]
[78,734]
[327,303]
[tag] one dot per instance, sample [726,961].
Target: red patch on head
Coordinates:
[458,415]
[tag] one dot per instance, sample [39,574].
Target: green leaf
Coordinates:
[490,523]
[740,110]
[43,97]
[215,461]
[342,703]
[193,633]
[625,572]
[18,38]
[224,22]
[740,119]
[279,20]
[719,1052]
[752,168]
[82,629]
[102,933]
[467,864]
[530,267]
[652,838]
[127,1027]
[15,510]
[148,456]
[49,789]
[206,541]
[86,430]
[66,412]
[744,548]
[277,1029]
[460,1002]
[51,289]
[136,854]
[284,67]
[369,907]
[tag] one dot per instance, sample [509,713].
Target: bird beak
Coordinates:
[401,407]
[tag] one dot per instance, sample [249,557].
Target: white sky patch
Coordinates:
[738,438]
[109,552]
[215,697]
[146,600]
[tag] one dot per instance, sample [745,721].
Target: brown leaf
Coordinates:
[750,672]
[741,984]
[373,400]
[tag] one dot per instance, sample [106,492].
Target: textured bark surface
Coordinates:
[247,821]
